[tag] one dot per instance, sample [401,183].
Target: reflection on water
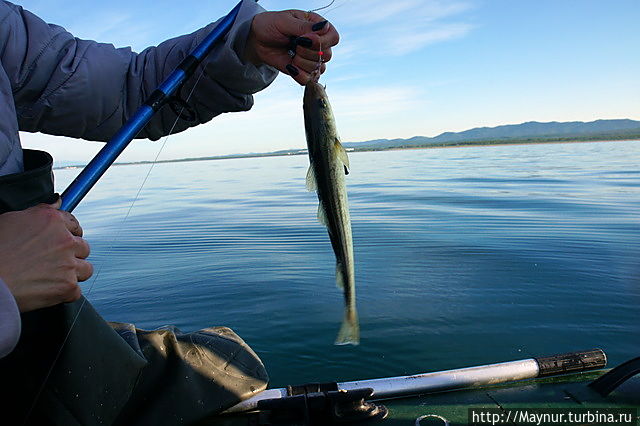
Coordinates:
[463,256]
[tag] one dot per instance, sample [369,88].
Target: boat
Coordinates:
[550,388]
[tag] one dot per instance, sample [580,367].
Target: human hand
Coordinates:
[274,34]
[42,256]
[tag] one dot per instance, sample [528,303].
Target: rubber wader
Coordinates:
[71,367]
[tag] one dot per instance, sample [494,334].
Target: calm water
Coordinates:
[463,256]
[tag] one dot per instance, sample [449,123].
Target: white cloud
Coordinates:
[407,40]
[376,11]
[119,29]
[397,28]
[374,102]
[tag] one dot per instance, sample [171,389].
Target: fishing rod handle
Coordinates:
[438,381]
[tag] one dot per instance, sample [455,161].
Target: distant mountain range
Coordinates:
[531,131]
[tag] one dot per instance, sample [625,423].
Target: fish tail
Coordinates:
[349,333]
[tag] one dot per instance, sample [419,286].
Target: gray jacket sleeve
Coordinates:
[9,321]
[83,89]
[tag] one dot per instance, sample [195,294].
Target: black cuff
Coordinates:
[19,191]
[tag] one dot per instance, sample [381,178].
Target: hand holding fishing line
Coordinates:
[292,41]
[43,256]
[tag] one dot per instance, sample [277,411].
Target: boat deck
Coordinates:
[562,392]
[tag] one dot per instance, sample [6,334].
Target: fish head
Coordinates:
[316,101]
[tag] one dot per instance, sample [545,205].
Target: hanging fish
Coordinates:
[328,166]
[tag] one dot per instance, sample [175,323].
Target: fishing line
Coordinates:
[320,52]
[323,7]
[334,8]
[320,61]
[110,249]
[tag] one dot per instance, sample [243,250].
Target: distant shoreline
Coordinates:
[509,143]
[461,144]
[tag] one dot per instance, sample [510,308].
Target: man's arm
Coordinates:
[78,88]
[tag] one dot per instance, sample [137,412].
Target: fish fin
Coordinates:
[311,180]
[339,276]
[349,333]
[322,215]
[342,155]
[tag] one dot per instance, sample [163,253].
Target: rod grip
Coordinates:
[571,362]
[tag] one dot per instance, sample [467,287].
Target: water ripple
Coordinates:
[533,248]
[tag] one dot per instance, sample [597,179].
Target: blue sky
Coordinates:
[403,68]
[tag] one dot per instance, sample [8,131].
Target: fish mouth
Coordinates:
[314,76]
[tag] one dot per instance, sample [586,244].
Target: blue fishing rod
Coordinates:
[160,97]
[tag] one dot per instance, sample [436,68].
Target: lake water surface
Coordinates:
[464,256]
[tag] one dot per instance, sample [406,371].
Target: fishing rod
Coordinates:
[417,384]
[93,171]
